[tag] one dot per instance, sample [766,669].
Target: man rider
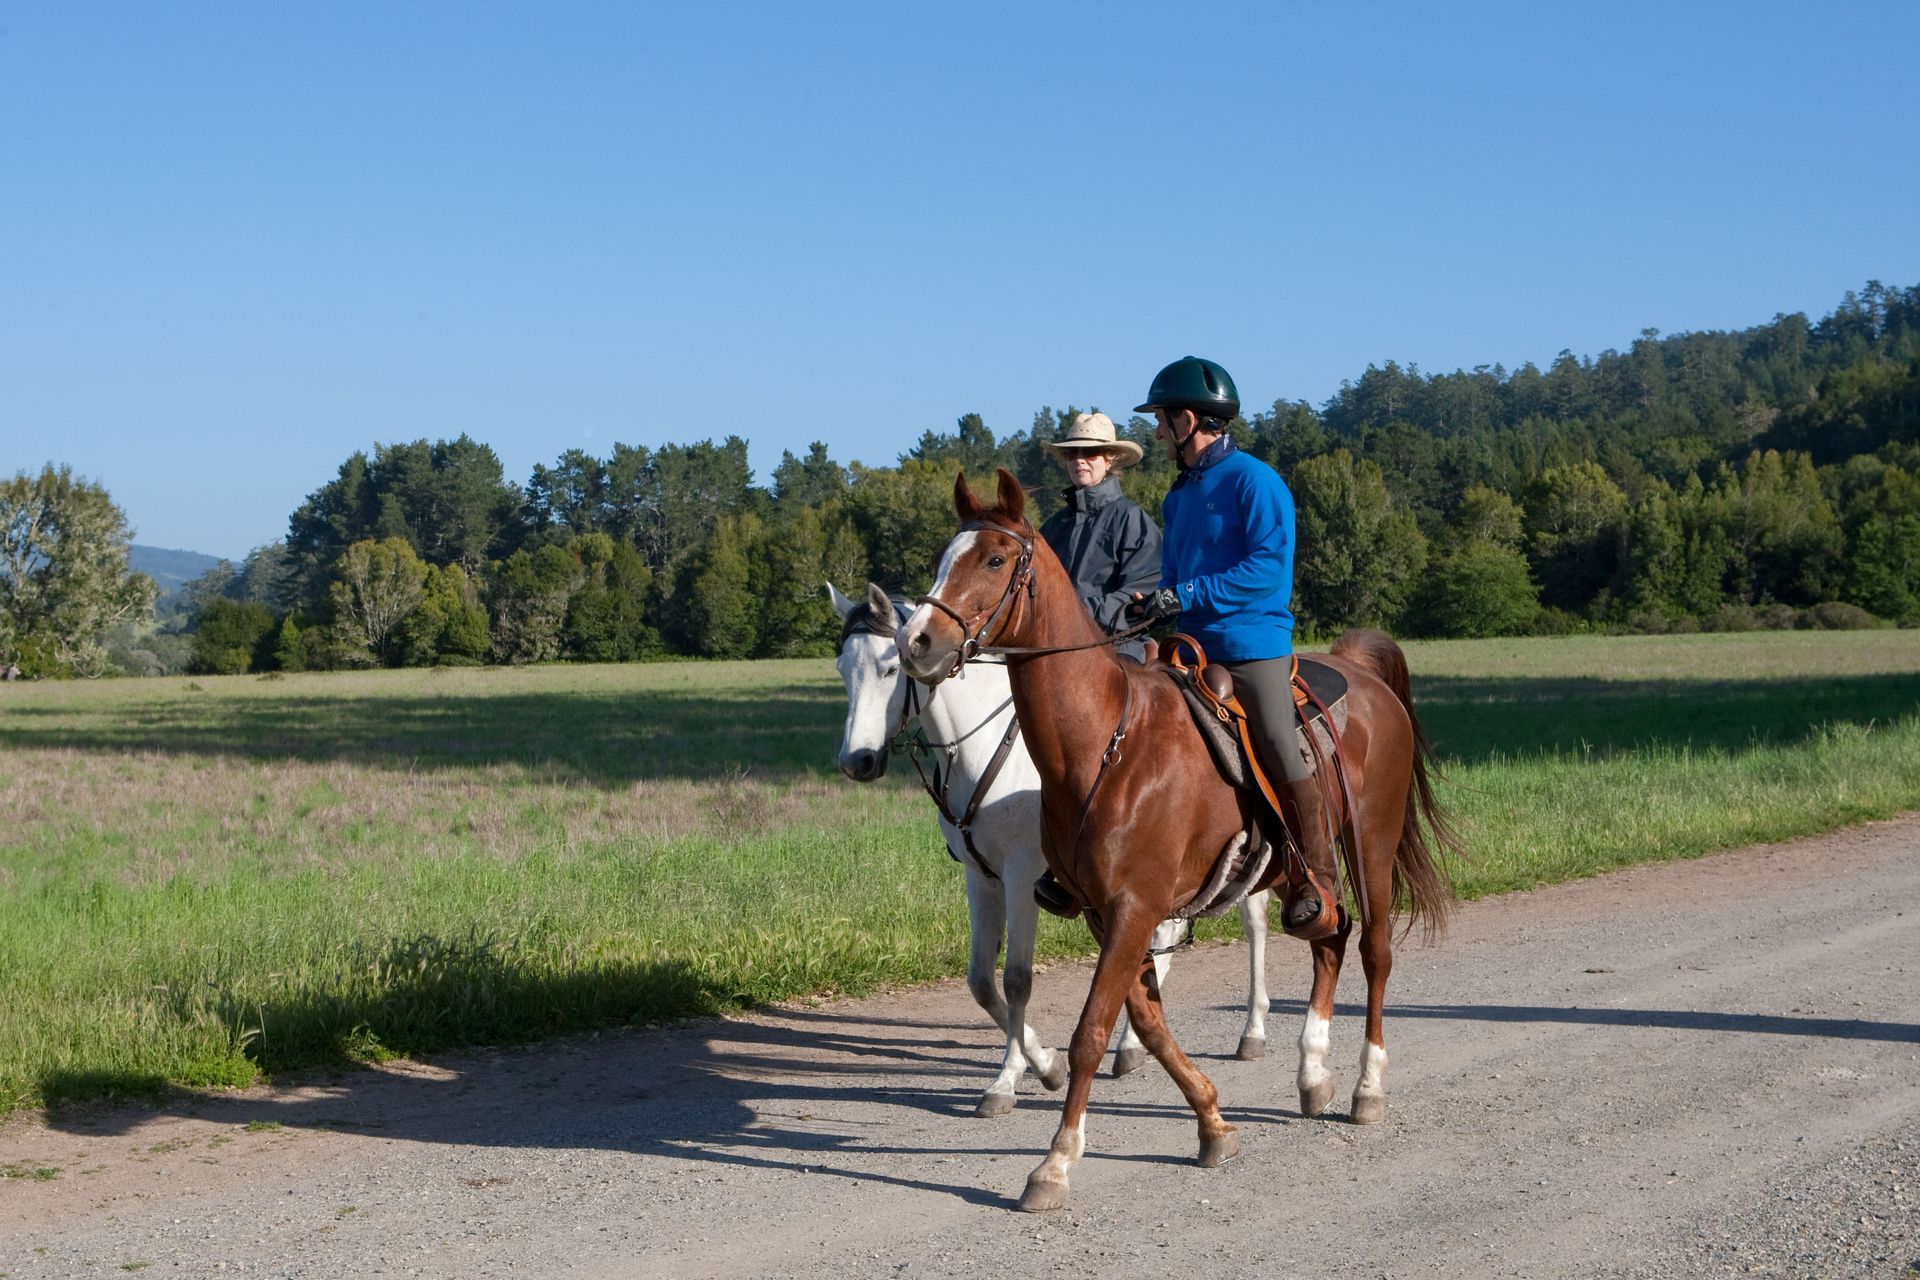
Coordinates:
[1227,556]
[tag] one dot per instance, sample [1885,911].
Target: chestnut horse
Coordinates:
[1135,813]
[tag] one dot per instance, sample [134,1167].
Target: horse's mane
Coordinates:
[862,621]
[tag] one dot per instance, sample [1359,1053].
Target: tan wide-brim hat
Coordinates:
[1094,431]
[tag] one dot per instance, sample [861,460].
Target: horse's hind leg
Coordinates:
[1253,918]
[1129,1055]
[1316,1031]
[1217,1143]
[1376,957]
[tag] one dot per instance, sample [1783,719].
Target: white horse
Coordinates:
[993,833]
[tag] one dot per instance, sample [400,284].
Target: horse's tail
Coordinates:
[1422,887]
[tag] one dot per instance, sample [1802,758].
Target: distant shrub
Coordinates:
[1730,617]
[1837,615]
[1776,617]
[1558,622]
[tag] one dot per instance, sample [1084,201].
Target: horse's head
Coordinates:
[869,665]
[988,563]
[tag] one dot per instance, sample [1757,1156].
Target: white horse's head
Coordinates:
[869,665]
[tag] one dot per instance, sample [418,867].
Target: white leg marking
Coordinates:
[1253,918]
[1373,1069]
[1316,1038]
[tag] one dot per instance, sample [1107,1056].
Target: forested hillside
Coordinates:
[1765,477]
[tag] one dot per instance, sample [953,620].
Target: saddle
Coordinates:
[1319,691]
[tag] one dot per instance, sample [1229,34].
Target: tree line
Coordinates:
[1719,480]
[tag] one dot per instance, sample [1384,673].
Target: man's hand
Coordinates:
[1158,607]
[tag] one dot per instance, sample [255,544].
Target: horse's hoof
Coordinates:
[1043,1197]
[1369,1108]
[1316,1098]
[1055,1076]
[994,1104]
[1127,1061]
[1251,1047]
[1215,1152]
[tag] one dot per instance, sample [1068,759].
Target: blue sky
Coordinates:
[240,241]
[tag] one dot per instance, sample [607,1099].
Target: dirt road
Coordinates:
[1705,1069]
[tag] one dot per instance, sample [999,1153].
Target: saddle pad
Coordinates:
[1327,684]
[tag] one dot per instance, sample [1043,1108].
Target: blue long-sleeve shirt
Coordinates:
[1227,548]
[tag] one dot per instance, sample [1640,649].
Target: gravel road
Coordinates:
[1704,1069]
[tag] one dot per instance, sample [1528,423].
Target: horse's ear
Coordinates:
[842,604]
[1013,499]
[879,603]
[965,505]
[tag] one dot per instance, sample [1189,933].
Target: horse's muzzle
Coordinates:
[925,658]
[864,766]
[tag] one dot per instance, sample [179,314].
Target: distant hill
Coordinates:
[170,569]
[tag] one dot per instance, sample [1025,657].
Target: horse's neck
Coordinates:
[959,706]
[1063,698]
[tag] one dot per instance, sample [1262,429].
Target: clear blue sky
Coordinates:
[240,241]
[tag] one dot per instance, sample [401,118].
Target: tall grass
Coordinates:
[208,879]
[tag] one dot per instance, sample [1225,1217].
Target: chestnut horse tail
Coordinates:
[1422,888]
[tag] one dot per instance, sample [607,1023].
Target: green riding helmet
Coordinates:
[1196,384]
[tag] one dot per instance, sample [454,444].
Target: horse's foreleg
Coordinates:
[1316,1038]
[1217,1143]
[1376,957]
[1129,1055]
[1123,946]
[986,915]
[1253,919]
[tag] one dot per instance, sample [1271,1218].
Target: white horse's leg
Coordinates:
[986,914]
[1023,923]
[1253,919]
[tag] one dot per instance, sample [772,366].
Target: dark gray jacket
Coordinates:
[1111,549]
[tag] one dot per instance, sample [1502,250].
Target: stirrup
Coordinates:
[1331,919]
[1054,898]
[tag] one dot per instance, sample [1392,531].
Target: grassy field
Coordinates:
[206,879]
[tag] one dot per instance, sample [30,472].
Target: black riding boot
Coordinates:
[1312,908]
[1053,896]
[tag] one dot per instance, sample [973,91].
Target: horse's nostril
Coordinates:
[919,643]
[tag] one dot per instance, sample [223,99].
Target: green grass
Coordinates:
[204,880]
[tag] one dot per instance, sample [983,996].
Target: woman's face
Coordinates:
[1087,467]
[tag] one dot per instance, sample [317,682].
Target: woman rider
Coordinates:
[1110,547]
[1227,560]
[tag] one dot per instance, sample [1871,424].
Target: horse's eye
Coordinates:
[893,670]
[994,562]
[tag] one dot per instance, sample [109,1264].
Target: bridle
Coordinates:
[909,738]
[973,639]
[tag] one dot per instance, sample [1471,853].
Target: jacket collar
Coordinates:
[1095,496]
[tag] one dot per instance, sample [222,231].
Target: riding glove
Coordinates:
[1158,607]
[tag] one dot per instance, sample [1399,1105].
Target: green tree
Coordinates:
[1575,526]
[289,647]
[448,626]
[1475,588]
[64,580]
[376,585]
[1359,554]
[721,611]
[904,518]
[528,602]
[232,638]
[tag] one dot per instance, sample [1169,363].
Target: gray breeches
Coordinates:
[1266,692]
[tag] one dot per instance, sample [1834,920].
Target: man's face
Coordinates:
[1086,467]
[1170,427]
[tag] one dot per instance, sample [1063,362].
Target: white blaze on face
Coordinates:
[961,544]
